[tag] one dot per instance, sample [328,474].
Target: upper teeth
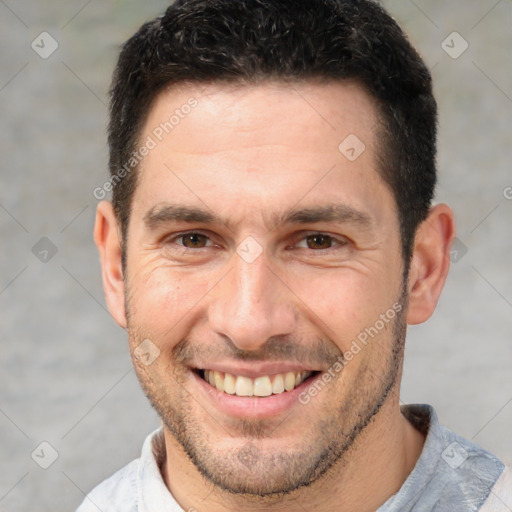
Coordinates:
[265,385]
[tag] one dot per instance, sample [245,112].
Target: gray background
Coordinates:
[66,375]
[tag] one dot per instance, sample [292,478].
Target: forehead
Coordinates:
[264,146]
[311,111]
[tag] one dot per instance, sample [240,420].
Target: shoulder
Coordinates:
[127,489]
[452,473]
[500,497]
[465,473]
[117,493]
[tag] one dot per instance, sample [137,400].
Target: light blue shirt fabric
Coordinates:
[451,475]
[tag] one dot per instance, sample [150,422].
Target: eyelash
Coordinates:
[337,242]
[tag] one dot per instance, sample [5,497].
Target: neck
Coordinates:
[372,470]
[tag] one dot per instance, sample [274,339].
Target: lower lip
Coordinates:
[253,407]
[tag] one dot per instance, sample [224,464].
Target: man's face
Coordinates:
[257,248]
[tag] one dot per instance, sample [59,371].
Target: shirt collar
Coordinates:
[152,492]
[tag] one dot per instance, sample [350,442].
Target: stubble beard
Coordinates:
[249,470]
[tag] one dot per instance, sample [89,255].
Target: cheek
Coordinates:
[343,304]
[161,298]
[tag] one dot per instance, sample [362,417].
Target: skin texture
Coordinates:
[249,155]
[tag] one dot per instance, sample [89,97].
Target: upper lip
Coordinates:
[254,370]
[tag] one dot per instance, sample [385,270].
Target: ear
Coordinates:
[430,262]
[107,238]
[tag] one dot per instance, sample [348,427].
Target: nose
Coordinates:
[251,305]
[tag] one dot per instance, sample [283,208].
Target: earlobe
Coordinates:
[106,236]
[430,263]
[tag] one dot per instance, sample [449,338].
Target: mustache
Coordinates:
[319,352]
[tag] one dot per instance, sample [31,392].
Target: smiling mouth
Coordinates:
[262,386]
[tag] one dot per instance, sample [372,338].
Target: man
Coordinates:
[270,237]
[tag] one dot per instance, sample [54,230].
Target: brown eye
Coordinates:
[194,240]
[319,241]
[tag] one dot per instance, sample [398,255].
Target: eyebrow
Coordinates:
[338,213]
[332,213]
[165,214]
